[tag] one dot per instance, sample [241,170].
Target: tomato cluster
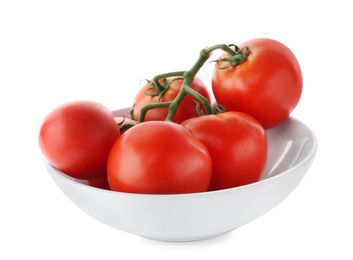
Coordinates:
[175,140]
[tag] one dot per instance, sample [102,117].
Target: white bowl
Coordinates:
[188,217]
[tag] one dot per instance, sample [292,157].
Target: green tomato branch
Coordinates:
[160,85]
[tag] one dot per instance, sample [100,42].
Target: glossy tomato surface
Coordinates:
[237,144]
[268,85]
[76,138]
[186,109]
[159,157]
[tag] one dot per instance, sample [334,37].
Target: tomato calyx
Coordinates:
[238,58]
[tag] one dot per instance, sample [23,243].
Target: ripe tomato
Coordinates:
[238,146]
[186,109]
[159,157]
[268,85]
[101,182]
[76,138]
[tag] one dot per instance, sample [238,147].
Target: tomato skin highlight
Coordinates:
[268,85]
[237,144]
[159,157]
[76,138]
[186,109]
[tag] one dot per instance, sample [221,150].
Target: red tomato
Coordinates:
[268,85]
[237,144]
[186,109]
[76,138]
[101,182]
[159,157]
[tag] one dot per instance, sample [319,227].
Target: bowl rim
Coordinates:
[304,161]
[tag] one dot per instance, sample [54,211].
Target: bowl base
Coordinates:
[187,239]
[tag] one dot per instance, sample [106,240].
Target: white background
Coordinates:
[57,51]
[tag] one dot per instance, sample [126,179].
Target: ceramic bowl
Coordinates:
[187,217]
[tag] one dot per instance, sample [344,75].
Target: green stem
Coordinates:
[186,87]
[188,79]
[223,47]
[156,79]
[147,107]
[189,76]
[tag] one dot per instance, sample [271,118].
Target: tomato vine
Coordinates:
[160,85]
